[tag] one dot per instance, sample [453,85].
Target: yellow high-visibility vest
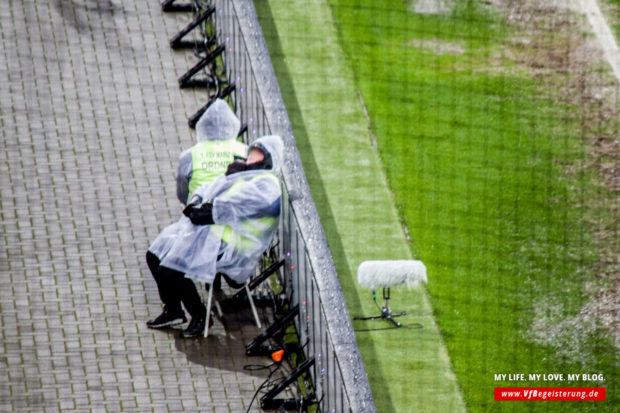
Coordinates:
[254,226]
[210,160]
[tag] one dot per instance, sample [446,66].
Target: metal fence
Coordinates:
[338,374]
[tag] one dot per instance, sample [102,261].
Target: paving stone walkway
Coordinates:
[92,122]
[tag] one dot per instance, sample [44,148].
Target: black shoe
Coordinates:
[166,319]
[196,328]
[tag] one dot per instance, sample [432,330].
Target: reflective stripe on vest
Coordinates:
[210,160]
[252,227]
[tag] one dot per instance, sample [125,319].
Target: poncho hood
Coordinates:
[274,146]
[218,123]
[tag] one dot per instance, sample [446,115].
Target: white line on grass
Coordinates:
[603,33]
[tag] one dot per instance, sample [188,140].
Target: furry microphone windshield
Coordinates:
[375,274]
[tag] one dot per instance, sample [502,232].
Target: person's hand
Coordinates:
[201,214]
[193,203]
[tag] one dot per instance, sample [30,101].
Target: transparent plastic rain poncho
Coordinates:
[218,123]
[243,202]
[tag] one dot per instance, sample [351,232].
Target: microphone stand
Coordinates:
[386,312]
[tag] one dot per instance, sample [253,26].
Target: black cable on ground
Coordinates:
[268,383]
[257,367]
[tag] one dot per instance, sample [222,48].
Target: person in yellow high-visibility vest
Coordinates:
[217,147]
[225,228]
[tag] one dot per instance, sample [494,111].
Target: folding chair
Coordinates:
[246,288]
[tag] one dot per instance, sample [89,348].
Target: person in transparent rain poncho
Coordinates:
[225,228]
[217,147]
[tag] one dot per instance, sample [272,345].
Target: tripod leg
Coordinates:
[389,317]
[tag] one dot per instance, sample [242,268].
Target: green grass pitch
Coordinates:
[474,157]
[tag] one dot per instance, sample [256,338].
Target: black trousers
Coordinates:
[175,289]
